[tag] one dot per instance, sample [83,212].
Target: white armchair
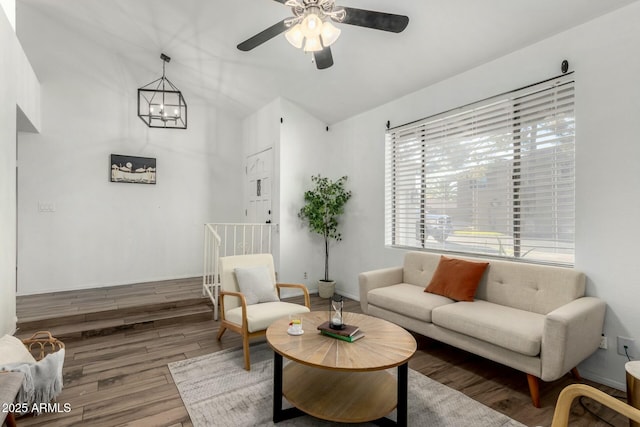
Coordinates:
[250,298]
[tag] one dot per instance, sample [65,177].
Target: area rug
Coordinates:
[217,391]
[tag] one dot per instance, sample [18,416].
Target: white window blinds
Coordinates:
[494,178]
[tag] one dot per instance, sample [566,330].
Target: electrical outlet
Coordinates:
[603,342]
[628,343]
[305,275]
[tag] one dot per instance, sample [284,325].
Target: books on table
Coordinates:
[349,333]
[356,336]
[346,331]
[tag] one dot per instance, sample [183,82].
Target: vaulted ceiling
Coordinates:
[372,67]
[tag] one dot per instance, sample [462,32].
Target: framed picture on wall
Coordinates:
[132,169]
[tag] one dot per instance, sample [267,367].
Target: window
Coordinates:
[494,178]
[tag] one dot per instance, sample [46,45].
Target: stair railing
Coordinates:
[226,239]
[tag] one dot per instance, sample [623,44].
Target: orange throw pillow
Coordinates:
[456,278]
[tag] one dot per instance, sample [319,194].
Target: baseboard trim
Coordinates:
[348,295]
[592,376]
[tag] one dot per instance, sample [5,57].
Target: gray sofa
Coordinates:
[533,318]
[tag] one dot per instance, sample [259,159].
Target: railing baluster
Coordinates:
[224,239]
[253,237]
[205,261]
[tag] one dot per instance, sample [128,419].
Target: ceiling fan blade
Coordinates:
[263,36]
[376,20]
[323,58]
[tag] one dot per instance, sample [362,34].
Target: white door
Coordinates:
[259,169]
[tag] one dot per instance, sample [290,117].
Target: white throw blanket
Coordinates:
[42,380]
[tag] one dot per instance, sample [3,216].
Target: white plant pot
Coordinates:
[326,289]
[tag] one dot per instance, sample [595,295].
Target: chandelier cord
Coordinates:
[164,62]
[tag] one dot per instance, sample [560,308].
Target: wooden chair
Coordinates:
[252,320]
[563,406]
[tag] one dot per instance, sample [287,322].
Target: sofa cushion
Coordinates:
[456,278]
[530,287]
[510,328]
[406,299]
[261,316]
[418,267]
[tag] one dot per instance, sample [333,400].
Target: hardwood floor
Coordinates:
[118,376]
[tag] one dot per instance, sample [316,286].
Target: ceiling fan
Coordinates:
[311,27]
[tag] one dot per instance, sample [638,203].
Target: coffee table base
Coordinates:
[340,396]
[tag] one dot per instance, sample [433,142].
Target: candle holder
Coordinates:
[335,312]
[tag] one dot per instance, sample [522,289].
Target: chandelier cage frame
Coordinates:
[161,104]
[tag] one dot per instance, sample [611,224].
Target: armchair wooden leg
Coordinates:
[221,332]
[576,374]
[534,389]
[245,350]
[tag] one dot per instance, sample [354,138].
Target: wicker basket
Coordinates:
[42,343]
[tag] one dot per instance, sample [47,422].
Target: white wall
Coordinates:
[8,44]
[607,111]
[104,233]
[303,153]
[299,145]
[261,131]
[28,96]
[9,7]
[19,92]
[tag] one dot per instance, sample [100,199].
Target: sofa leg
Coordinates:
[576,374]
[534,389]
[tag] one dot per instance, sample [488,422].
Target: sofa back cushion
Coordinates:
[418,267]
[536,288]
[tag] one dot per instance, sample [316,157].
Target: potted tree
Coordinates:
[324,203]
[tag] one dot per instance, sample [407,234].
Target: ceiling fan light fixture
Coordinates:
[329,33]
[311,25]
[295,36]
[337,14]
[312,44]
[314,19]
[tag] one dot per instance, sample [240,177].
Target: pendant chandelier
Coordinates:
[161,104]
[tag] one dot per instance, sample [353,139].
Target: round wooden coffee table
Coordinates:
[337,380]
